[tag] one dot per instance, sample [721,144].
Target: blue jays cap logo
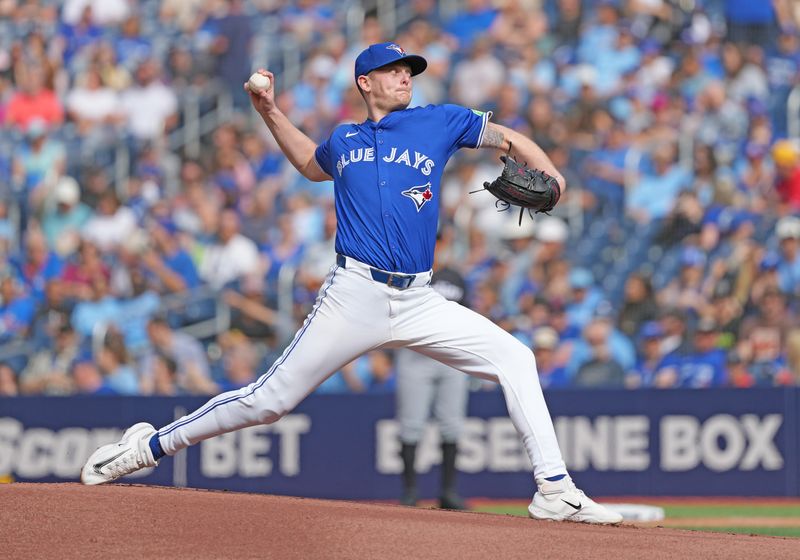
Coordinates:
[420,195]
[397,48]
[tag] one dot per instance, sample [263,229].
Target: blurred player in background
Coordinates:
[425,386]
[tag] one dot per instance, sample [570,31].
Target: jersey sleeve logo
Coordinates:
[419,194]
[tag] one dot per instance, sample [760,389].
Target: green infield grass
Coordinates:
[770,531]
[756,517]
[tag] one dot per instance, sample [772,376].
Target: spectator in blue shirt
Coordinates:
[623,58]
[166,262]
[16,309]
[76,37]
[600,35]
[115,363]
[654,195]
[39,265]
[603,338]
[471,22]
[702,366]
[369,373]
[101,309]
[605,171]
[650,357]
[131,47]
[691,77]
[781,65]
[87,378]
[34,159]
[266,162]
[552,375]
[585,297]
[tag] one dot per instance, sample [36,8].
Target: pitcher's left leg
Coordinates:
[470,342]
[467,341]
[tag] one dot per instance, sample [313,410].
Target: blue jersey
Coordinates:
[698,370]
[387,179]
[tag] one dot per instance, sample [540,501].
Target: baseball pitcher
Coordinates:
[387,172]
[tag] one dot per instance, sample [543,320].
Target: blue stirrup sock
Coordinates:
[155,447]
[555,478]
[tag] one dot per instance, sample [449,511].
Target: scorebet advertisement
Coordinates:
[615,443]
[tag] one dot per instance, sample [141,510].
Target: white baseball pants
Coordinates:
[354,314]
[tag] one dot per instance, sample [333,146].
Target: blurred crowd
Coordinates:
[672,260]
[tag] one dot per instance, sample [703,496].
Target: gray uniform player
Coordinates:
[424,386]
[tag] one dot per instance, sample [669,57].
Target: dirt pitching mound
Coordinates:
[123,521]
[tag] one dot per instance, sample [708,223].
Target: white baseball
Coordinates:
[258,82]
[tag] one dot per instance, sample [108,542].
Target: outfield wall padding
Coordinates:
[716,442]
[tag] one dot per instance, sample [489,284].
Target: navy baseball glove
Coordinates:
[518,185]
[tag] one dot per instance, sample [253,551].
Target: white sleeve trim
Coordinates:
[485,120]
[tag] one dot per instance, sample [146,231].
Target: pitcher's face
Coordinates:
[389,87]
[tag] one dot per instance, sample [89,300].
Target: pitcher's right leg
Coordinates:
[349,318]
[346,321]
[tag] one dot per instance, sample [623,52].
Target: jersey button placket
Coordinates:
[382,183]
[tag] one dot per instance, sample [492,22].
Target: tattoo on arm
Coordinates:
[492,138]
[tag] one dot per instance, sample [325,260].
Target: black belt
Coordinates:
[393,279]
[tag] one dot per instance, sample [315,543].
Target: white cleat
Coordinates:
[115,460]
[562,501]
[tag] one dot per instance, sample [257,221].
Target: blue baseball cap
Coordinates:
[692,256]
[770,261]
[381,54]
[580,278]
[756,150]
[651,329]
[168,225]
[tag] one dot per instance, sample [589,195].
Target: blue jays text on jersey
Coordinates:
[387,178]
[368,154]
